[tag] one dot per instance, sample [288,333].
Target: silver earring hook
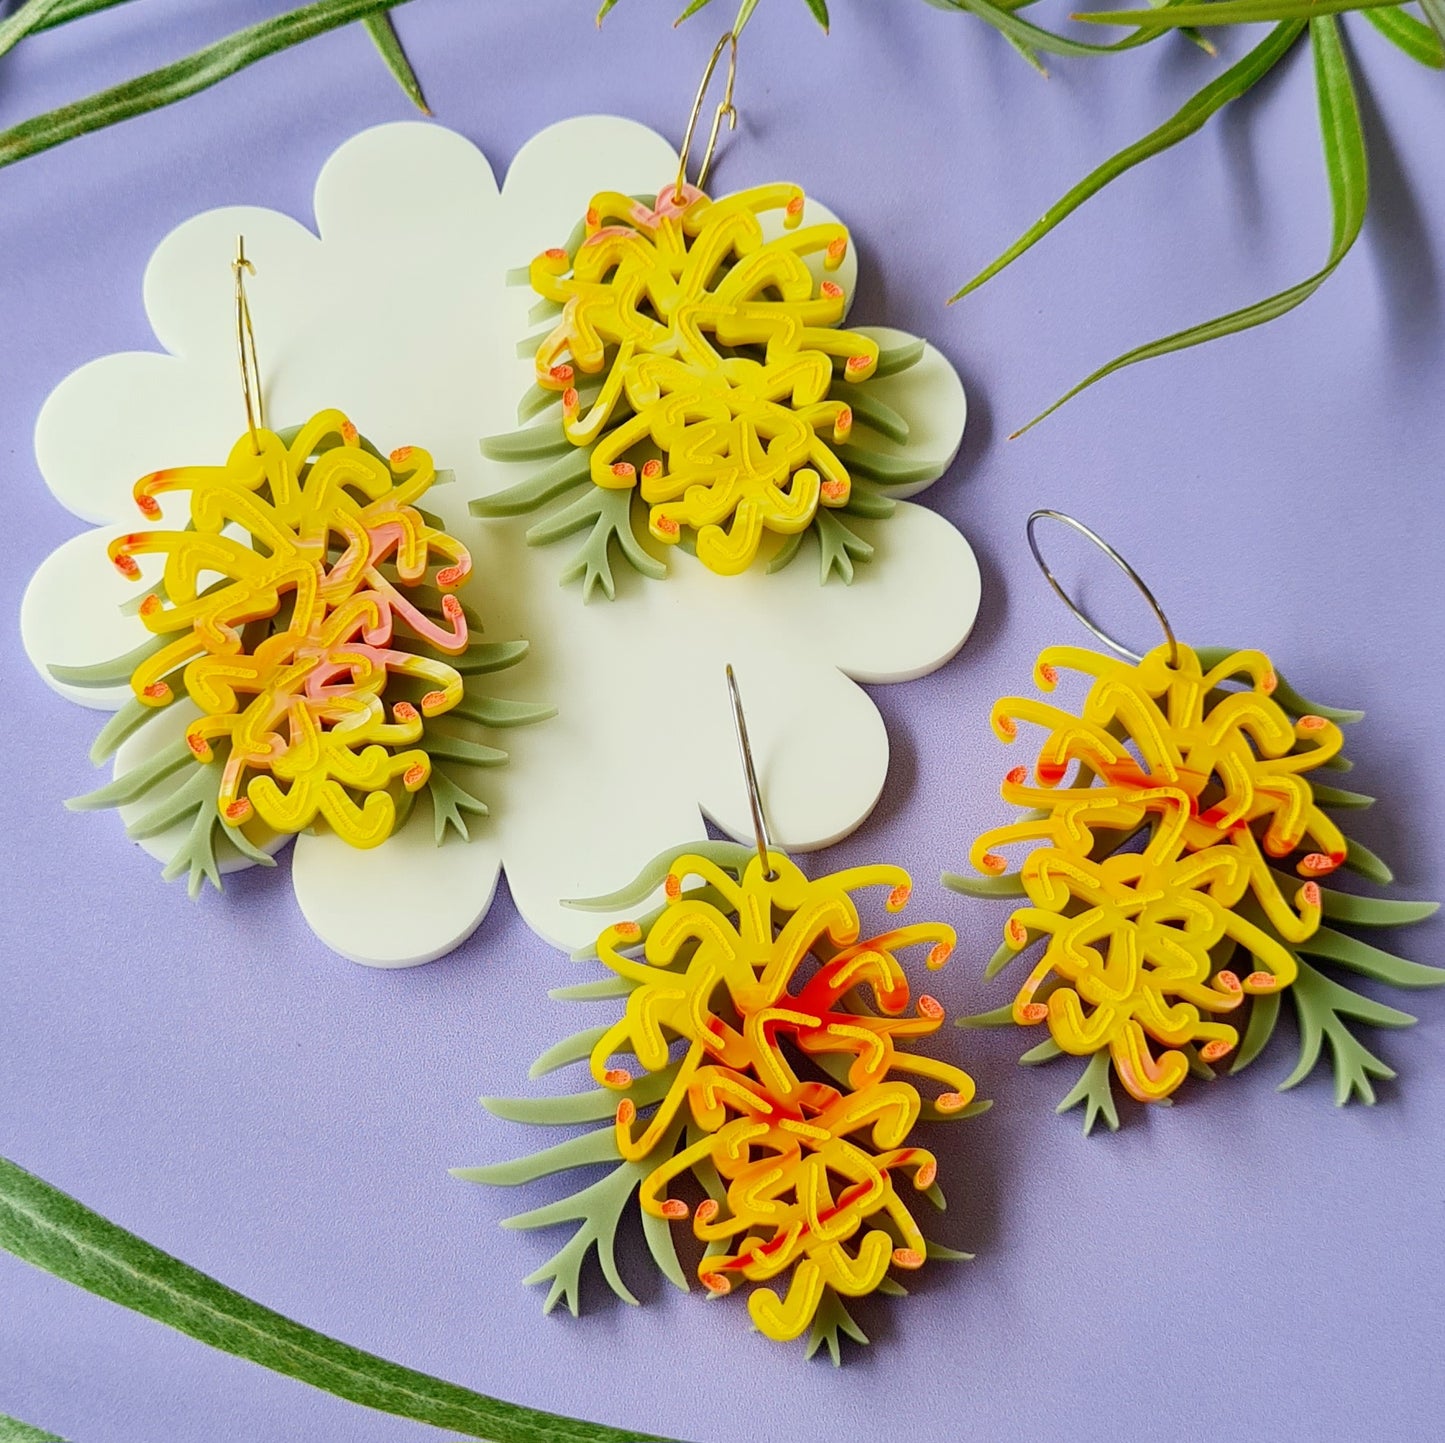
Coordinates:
[750,776]
[1093,536]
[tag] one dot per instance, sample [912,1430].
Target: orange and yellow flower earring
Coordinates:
[772,1075]
[302,629]
[1177,835]
[710,395]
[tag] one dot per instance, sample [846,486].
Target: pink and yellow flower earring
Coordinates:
[699,390]
[304,632]
[761,1061]
[1176,839]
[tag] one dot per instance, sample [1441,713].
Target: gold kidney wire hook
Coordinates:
[246,348]
[1075,524]
[726,110]
[750,777]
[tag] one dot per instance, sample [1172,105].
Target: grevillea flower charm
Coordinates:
[307,614]
[706,383]
[1209,759]
[771,1035]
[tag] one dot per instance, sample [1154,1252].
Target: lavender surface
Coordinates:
[1243,1265]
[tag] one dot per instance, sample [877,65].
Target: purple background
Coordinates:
[1245,1265]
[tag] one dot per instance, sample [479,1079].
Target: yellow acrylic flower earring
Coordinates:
[772,1075]
[308,621]
[709,393]
[1177,833]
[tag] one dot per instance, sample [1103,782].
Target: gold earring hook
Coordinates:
[1093,536]
[750,776]
[725,110]
[246,348]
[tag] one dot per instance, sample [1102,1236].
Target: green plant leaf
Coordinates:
[1226,12]
[30,16]
[1035,37]
[52,1231]
[1346,165]
[68,10]
[388,43]
[182,78]
[1435,14]
[1418,40]
[1185,122]
[12,1430]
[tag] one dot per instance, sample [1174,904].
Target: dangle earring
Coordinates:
[772,1076]
[1176,836]
[710,397]
[306,630]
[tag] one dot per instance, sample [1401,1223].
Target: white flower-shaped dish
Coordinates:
[399,314]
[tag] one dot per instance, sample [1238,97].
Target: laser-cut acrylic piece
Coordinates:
[431,356]
[1210,759]
[315,659]
[707,390]
[791,1105]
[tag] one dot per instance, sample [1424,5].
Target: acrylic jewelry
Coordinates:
[307,618]
[709,393]
[1163,958]
[792,1105]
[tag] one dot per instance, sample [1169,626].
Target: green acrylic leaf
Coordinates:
[999,1017]
[1288,698]
[660,1243]
[868,502]
[54,1232]
[1189,119]
[388,44]
[1347,951]
[451,804]
[132,785]
[123,723]
[592,1147]
[1338,797]
[1322,1007]
[484,657]
[568,1050]
[442,747]
[832,1323]
[1363,862]
[1094,1090]
[885,469]
[1359,911]
[1000,959]
[494,711]
[531,443]
[596,1106]
[869,411]
[892,360]
[1045,1051]
[116,672]
[182,78]
[1009,885]
[730,856]
[1263,1015]
[592,991]
[839,548]
[1347,170]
